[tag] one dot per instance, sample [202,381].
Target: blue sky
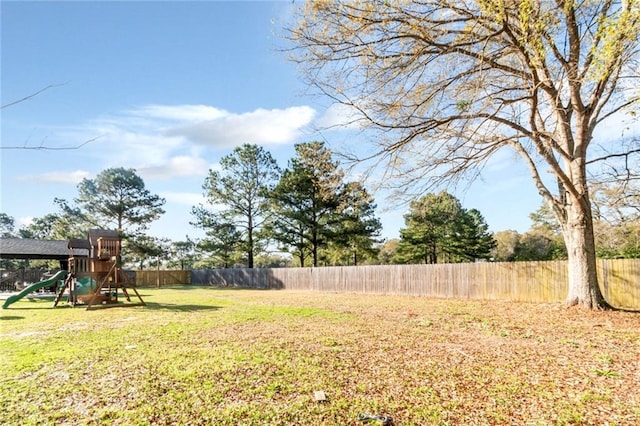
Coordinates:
[168,88]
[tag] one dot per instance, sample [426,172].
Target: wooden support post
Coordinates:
[121,284]
[67,284]
[94,298]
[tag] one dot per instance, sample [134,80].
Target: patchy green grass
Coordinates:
[229,357]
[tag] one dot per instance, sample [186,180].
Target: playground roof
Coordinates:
[95,234]
[27,248]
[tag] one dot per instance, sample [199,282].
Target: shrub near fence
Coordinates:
[516,281]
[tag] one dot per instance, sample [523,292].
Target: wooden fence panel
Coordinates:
[538,282]
[161,278]
[11,280]
[620,282]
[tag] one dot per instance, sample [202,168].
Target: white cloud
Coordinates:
[156,133]
[262,126]
[23,222]
[57,177]
[188,113]
[180,166]
[340,116]
[186,198]
[128,146]
[164,141]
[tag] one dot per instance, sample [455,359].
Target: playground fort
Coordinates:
[91,273]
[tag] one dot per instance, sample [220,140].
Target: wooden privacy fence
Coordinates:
[17,279]
[517,281]
[162,278]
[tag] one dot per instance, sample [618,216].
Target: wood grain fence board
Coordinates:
[162,278]
[620,282]
[538,282]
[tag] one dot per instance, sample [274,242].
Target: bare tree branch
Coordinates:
[26,98]
[616,155]
[43,147]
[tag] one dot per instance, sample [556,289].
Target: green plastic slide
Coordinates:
[34,287]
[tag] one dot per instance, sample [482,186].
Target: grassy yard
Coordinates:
[229,357]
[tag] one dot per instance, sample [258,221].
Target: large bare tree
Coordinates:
[449,83]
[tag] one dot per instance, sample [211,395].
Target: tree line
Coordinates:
[257,214]
[307,210]
[308,214]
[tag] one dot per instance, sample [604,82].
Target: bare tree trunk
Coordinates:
[315,247]
[584,290]
[250,243]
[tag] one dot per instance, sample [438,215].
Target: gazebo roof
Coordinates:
[28,248]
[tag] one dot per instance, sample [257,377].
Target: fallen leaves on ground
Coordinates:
[260,358]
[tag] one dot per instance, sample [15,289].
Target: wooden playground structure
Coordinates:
[96,279]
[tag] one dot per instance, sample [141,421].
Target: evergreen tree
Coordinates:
[7,225]
[242,190]
[6,231]
[182,254]
[222,247]
[306,202]
[54,226]
[428,225]
[439,229]
[471,237]
[148,252]
[358,228]
[115,199]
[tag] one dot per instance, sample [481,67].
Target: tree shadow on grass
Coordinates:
[33,303]
[178,287]
[179,308]
[152,306]
[10,317]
